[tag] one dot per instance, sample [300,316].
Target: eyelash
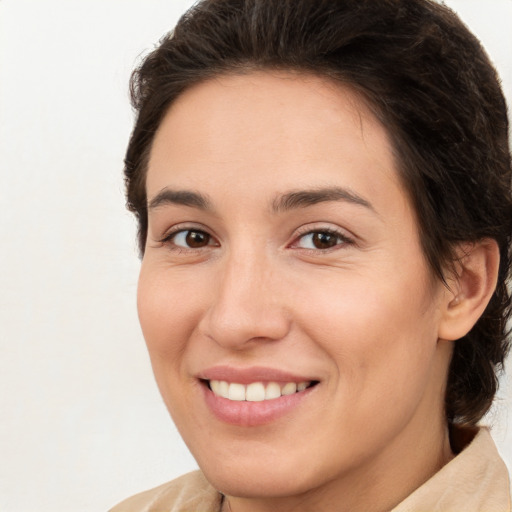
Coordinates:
[169,237]
[343,239]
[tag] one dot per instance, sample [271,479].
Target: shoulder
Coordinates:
[188,493]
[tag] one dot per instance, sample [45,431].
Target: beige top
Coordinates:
[476,480]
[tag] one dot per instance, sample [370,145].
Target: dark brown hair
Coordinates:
[428,80]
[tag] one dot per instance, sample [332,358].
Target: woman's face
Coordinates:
[283,269]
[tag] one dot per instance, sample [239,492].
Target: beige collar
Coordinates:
[476,480]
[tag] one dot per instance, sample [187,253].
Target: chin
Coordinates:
[262,479]
[258,484]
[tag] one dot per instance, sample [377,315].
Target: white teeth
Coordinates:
[236,392]
[289,389]
[256,391]
[273,390]
[223,388]
[215,385]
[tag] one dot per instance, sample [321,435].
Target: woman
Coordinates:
[323,196]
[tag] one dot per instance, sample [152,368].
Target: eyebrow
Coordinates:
[304,198]
[181,197]
[285,202]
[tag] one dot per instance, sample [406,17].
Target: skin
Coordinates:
[364,317]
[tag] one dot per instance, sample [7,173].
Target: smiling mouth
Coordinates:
[256,391]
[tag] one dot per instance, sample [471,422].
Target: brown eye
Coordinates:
[191,239]
[322,240]
[197,239]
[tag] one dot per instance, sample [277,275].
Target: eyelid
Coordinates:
[308,229]
[186,226]
[181,226]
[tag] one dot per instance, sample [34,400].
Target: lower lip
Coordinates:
[250,414]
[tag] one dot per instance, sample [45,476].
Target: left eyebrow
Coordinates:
[181,197]
[304,198]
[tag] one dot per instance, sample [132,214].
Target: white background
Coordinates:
[81,423]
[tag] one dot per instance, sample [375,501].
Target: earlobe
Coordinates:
[471,289]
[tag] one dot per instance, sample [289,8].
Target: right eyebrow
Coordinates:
[181,197]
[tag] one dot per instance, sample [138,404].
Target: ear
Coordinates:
[470,289]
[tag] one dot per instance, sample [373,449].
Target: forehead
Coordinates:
[270,130]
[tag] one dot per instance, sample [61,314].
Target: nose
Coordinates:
[247,305]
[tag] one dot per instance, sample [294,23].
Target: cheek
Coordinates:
[381,335]
[168,312]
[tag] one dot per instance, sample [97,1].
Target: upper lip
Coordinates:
[251,374]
